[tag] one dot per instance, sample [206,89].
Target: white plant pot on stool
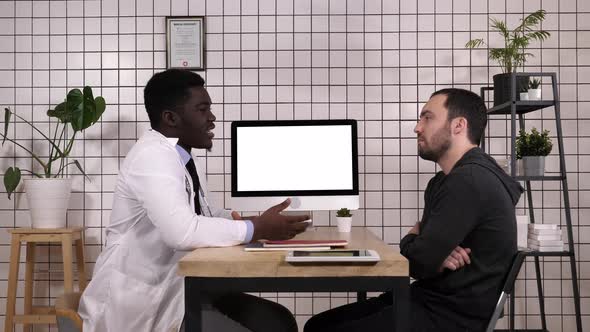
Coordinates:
[533,165]
[48,201]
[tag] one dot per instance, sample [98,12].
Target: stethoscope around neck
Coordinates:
[202,196]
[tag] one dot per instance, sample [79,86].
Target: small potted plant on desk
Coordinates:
[534,91]
[48,191]
[532,148]
[513,54]
[344,220]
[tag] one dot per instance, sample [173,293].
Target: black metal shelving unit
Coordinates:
[517,109]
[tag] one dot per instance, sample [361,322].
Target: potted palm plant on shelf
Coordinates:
[48,190]
[532,148]
[344,220]
[513,55]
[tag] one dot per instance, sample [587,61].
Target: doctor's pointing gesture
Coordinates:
[160,212]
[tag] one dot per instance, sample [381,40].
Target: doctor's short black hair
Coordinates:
[466,104]
[167,90]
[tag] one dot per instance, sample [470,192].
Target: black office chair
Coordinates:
[507,289]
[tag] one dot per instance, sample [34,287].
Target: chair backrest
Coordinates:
[507,289]
[66,310]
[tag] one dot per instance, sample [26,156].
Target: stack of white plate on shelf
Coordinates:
[545,237]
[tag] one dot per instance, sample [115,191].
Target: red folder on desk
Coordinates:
[306,243]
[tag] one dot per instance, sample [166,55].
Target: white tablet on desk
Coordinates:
[360,256]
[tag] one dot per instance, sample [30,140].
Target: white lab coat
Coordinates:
[135,286]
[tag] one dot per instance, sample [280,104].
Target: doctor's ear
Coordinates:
[170,118]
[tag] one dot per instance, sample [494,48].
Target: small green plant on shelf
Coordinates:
[343,213]
[534,143]
[80,110]
[534,83]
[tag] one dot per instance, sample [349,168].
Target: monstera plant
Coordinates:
[77,112]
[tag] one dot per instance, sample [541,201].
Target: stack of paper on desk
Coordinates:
[545,237]
[295,245]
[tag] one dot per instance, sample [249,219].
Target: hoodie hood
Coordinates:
[478,157]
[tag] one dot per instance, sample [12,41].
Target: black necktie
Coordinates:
[192,170]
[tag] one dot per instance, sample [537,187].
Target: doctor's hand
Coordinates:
[458,258]
[272,225]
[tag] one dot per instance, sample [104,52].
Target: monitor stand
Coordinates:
[298,203]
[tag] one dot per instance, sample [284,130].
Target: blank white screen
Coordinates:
[294,158]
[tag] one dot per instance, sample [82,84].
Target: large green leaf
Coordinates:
[74,98]
[11,180]
[66,111]
[61,112]
[89,111]
[89,108]
[84,113]
[88,93]
[100,107]
[7,114]
[76,107]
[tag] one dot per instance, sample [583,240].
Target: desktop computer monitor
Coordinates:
[313,162]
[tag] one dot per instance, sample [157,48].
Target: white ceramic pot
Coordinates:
[524,96]
[344,224]
[48,201]
[533,165]
[534,94]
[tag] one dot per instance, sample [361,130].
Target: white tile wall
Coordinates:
[376,61]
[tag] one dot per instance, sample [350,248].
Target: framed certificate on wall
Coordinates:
[185,42]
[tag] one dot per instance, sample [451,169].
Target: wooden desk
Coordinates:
[233,269]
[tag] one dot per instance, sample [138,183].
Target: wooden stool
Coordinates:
[66,310]
[67,237]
